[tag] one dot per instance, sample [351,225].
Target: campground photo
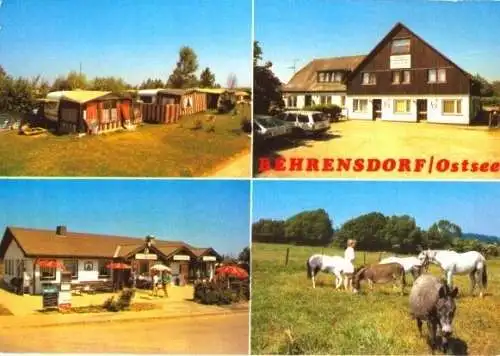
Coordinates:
[354,267]
[418,96]
[140,91]
[124,266]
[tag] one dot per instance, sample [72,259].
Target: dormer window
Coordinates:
[369,79]
[330,77]
[400,46]
[321,77]
[338,77]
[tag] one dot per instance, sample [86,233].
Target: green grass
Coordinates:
[151,150]
[289,317]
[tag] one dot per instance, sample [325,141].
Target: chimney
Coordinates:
[61,230]
[150,239]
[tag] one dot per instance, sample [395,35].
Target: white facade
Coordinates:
[299,99]
[360,107]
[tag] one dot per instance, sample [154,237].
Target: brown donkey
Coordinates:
[379,273]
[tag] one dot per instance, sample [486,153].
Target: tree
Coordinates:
[442,234]
[76,80]
[268,230]
[3,73]
[485,87]
[207,79]
[366,229]
[244,255]
[232,81]
[60,83]
[312,227]
[152,84]
[266,86]
[496,87]
[112,84]
[183,75]
[257,53]
[401,234]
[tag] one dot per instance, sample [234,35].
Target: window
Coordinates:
[147,99]
[369,79]
[396,77]
[342,100]
[360,105]
[401,106]
[400,46]
[71,266]
[47,273]
[328,77]
[303,119]
[321,77]
[325,99]
[406,77]
[432,76]
[452,106]
[103,270]
[338,77]
[442,75]
[292,102]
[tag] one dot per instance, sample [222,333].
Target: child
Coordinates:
[349,251]
[166,282]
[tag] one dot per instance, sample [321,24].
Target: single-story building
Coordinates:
[242,97]
[88,111]
[45,254]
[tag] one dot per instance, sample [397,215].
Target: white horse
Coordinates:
[452,262]
[337,265]
[410,264]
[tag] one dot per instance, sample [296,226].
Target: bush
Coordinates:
[225,106]
[331,110]
[490,101]
[214,293]
[123,302]
[246,125]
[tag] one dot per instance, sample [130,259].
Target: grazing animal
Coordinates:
[410,264]
[431,300]
[337,265]
[380,273]
[452,262]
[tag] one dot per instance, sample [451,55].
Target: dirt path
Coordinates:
[227,334]
[238,167]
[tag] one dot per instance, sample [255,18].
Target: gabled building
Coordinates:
[404,78]
[321,81]
[45,254]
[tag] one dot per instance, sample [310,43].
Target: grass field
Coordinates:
[289,317]
[151,150]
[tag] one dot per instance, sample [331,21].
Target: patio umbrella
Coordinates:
[161,268]
[50,264]
[117,265]
[232,271]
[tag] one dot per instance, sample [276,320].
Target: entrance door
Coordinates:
[377,109]
[421,109]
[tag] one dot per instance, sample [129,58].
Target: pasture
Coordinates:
[181,149]
[289,317]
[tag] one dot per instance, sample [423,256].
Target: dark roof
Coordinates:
[397,27]
[46,243]
[305,79]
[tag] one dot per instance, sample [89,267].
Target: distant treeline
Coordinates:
[373,232]
[19,94]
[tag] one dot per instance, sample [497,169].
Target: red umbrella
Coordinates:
[117,265]
[232,271]
[50,264]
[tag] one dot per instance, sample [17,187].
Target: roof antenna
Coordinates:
[294,66]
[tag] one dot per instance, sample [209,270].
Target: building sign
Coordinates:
[146,256]
[400,62]
[88,266]
[209,258]
[181,258]
[64,300]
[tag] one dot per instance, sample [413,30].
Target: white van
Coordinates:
[309,122]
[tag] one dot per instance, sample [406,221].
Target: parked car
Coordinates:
[268,127]
[308,122]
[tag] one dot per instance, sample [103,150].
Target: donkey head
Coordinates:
[358,275]
[445,310]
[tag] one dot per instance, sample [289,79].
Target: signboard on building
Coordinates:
[209,258]
[181,258]
[146,256]
[400,62]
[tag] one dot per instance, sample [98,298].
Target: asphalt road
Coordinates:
[224,334]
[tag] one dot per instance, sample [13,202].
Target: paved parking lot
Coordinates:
[397,150]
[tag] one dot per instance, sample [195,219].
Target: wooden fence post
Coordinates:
[364,258]
[287,255]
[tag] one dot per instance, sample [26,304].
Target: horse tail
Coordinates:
[309,270]
[484,276]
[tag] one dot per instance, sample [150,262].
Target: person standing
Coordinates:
[26,282]
[156,281]
[349,256]
[165,282]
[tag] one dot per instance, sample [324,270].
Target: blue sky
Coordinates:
[465,31]
[473,206]
[128,38]
[201,212]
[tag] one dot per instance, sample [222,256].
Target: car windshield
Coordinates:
[266,123]
[318,117]
[303,118]
[277,121]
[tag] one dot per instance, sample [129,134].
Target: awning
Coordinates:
[49,264]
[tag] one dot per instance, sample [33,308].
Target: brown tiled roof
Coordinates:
[305,80]
[36,242]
